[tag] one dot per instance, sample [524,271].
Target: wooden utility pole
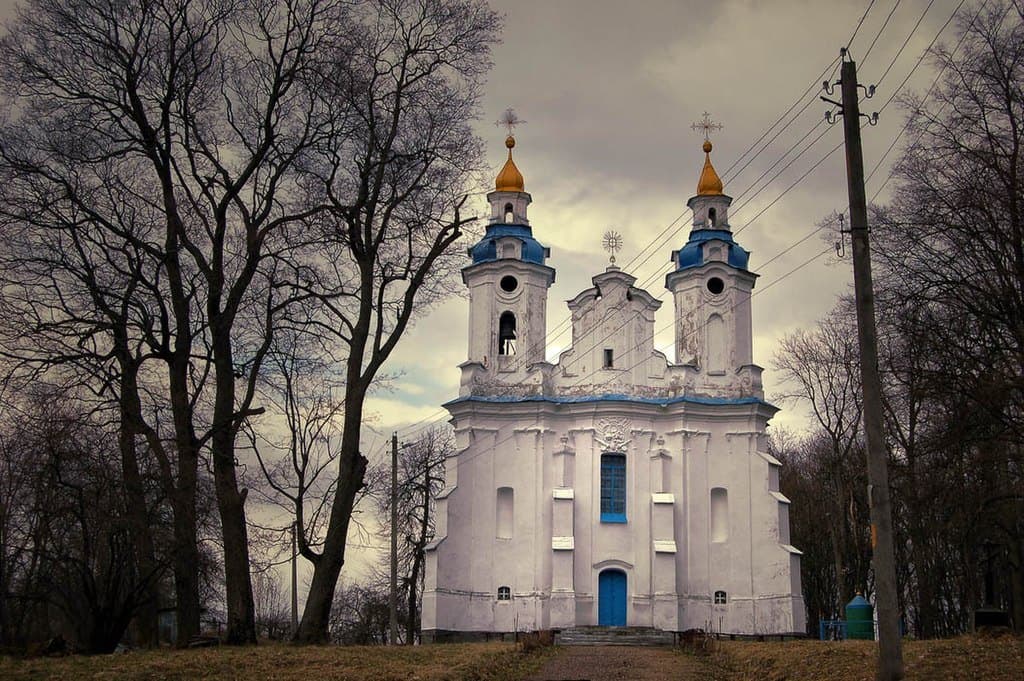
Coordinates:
[295,581]
[393,596]
[883,556]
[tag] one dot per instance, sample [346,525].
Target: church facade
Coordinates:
[613,487]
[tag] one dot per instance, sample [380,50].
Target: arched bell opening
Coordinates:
[507,333]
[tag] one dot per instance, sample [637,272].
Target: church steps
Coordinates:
[614,636]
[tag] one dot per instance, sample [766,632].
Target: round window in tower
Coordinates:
[716,285]
[509,283]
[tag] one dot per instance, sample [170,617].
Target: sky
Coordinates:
[609,91]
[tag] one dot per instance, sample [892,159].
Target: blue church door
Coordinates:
[611,598]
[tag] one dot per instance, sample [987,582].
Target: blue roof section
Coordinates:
[486,249]
[692,254]
[611,397]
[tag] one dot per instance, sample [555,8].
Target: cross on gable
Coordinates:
[707,126]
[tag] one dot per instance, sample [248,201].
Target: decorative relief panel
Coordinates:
[613,434]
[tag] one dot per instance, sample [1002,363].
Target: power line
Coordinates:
[907,39]
[879,34]
[562,326]
[695,331]
[440,415]
[442,412]
[774,137]
[784,168]
[616,330]
[813,86]
[787,189]
[931,88]
[859,24]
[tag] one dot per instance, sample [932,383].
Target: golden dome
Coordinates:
[509,179]
[710,183]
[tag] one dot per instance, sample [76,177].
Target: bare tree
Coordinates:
[360,614]
[396,186]
[70,568]
[803,479]
[420,480]
[952,240]
[950,250]
[75,310]
[273,616]
[219,171]
[822,366]
[296,442]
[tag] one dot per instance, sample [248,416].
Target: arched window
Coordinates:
[720,598]
[504,593]
[507,334]
[613,488]
[504,513]
[719,514]
[711,218]
[509,214]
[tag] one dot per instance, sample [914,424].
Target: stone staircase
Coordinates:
[614,636]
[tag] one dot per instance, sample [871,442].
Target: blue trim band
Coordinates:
[611,397]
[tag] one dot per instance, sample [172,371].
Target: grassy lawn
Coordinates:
[461,662]
[962,658]
[966,657]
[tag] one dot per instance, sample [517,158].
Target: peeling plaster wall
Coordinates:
[550,455]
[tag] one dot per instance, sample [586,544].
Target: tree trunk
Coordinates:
[241,625]
[1016,569]
[186,561]
[146,570]
[316,615]
[351,471]
[837,560]
[183,500]
[146,618]
[6,639]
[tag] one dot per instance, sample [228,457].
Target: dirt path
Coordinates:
[623,663]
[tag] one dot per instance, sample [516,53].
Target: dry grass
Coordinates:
[457,662]
[965,657]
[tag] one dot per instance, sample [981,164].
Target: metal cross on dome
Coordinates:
[707,126]
[510,120]
[612,243]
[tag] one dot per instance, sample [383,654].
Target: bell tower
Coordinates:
[712,287]
[508,280]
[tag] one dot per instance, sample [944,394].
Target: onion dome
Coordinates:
[510,179]
[710,183]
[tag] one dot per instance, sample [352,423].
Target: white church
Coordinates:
[614,488]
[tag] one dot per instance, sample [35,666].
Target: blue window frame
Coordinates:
[613,488]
